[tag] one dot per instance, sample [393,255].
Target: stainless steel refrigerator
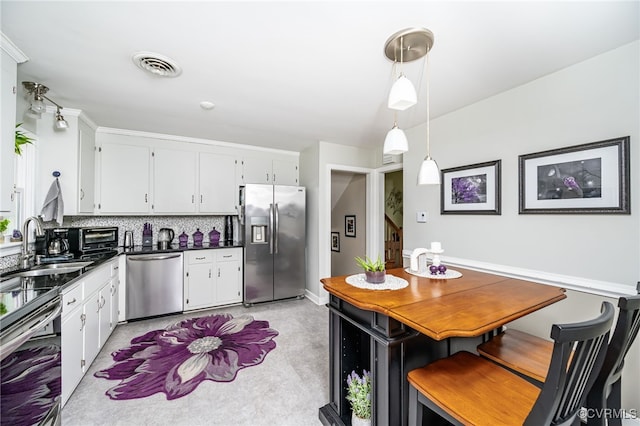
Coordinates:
[272,219]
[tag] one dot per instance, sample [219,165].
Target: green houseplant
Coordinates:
[359,395]
[21,139]
[374,271]
[4,223]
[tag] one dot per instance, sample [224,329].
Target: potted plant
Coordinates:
[359,395]
[21,139]
[4,223]
[374,272]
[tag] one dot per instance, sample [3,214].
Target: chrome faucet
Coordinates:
[26,255]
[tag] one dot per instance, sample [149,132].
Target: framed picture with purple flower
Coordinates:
[591,178]
[472,189]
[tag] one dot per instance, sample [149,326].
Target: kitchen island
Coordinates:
[390,332]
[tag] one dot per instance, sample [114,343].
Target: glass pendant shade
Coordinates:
[396,142]
[60,123]
[429,173]
[402,95]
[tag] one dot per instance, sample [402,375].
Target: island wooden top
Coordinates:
[468,306]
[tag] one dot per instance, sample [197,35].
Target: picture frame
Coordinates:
[335,241]
[591,178]
[350,226]
[471,189]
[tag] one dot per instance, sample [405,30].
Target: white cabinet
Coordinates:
[267,170]
[174,181]
[86,168]
[218,188]
[72,153]
[199,284]
[87,312]
[212,278]
[228,276]
[72,351]
[124,179]
[11,56]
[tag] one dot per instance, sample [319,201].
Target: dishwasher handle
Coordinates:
[146,258]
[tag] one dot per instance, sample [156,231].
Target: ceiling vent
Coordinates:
[157,64]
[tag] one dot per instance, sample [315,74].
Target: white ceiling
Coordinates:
[288,74]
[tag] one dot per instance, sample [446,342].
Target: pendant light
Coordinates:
[429,173]
[396,141]
[402,94]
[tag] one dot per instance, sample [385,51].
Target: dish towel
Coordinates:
[53,208]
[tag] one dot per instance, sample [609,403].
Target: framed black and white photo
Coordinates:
[335,241]
[350,226]
[472,189]
[592,178]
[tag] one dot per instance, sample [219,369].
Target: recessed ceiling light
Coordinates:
[157,64]
[207,105]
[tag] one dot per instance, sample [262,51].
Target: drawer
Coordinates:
[200,256]
[72,299]
[227,255]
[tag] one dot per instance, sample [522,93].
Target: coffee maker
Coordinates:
[53,245]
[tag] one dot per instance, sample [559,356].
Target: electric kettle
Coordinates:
[165,236]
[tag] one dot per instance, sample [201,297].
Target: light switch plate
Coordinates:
[421,217]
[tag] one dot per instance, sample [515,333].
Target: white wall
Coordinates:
[316,164]
[591,101]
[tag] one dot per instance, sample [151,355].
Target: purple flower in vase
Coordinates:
[177,359]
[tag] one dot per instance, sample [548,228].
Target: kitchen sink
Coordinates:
[49,269]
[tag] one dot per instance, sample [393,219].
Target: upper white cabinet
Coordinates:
[269,170]
[124,179]
[138,174]
[174,181]
[11,56]
[72,153]
[218,188]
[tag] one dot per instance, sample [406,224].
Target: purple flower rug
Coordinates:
[30,385]
[177,359]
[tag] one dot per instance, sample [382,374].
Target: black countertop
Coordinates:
[38,290]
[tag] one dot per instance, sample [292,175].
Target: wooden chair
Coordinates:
[470,390]
[530,355]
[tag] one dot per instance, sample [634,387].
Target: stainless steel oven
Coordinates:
[30,353]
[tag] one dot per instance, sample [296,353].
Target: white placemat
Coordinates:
[391,282]
[449,274]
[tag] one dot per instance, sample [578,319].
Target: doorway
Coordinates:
[393,217]
[348,221]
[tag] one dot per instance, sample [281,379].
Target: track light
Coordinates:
[37,106]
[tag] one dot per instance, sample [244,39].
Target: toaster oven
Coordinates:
[88,240]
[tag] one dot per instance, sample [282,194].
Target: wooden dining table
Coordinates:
[390,332]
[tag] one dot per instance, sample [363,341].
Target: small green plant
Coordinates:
[359,394]
[369,265]
[21,139]
[4,223]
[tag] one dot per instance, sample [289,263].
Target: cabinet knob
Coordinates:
[71,301]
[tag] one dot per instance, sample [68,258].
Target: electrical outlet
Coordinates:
[421,217]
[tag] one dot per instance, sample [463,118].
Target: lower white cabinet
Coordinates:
[212,277]
[88,311]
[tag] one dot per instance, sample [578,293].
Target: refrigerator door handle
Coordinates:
[271,224]
[276,229]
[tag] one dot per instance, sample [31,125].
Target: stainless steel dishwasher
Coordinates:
[154,285]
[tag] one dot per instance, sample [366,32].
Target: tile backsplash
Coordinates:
[179,224]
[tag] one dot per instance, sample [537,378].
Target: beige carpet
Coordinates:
[286,389]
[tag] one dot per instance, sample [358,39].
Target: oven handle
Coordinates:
[35,324]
